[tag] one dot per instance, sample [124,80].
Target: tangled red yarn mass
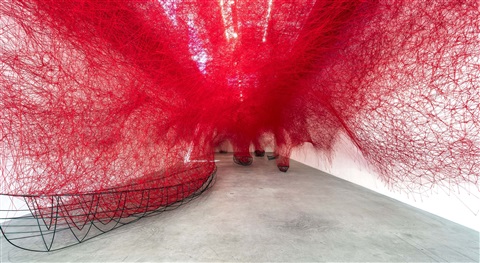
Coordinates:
[97,95]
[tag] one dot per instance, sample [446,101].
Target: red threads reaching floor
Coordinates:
[100,94]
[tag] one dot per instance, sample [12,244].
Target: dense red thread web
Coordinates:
[98,96]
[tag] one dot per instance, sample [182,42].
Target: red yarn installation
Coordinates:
[103,94]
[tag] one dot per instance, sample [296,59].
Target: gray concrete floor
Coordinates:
[257,213]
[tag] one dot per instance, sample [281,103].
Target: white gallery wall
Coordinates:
[460,204]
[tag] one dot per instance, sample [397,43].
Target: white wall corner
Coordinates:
[460,205]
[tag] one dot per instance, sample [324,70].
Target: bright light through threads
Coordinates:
[267,19]
[226,7]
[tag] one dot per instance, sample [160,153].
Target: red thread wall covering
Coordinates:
[97,95]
